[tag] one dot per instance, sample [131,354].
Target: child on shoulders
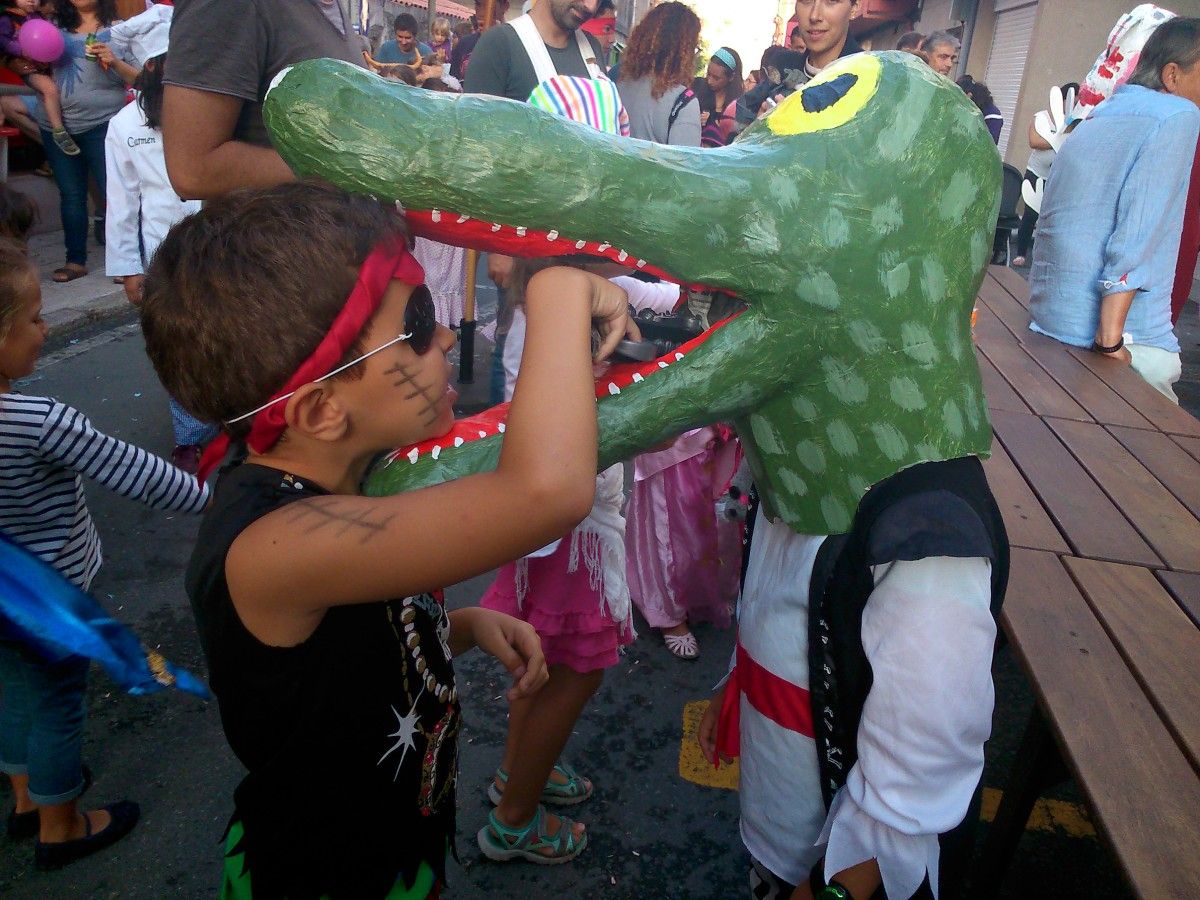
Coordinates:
[36,75]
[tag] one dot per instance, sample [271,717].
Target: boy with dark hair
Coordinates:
[297,317]
[824,26]
[405,48]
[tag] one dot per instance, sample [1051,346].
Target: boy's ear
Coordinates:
[316,412]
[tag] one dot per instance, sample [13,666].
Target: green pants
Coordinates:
[235,884]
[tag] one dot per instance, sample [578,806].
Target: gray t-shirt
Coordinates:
[649,119]
[501,67]
[90,94]
[236,47]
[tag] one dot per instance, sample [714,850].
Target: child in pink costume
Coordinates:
[682,560]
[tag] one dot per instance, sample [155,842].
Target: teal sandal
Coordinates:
[575,790]
[503,844]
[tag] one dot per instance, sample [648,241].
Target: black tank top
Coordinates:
[350,738]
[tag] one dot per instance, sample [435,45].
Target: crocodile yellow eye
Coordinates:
[831,99]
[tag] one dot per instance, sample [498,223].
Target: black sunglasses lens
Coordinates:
[420,320]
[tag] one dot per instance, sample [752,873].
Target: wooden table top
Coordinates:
[1098,479]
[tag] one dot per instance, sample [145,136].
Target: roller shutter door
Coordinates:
[1006,64]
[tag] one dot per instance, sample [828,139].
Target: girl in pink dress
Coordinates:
[683,560]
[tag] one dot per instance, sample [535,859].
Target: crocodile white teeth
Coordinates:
[462,219]
[437,450]
[437,215]
[521,231]
[552,236]
[622,256]
[641,263]
[637,378]
[495,226]
[678,357]
[458,442]
[412,455]
[613,389]
[500,428]
[483,434]
[603,247]
[662,365]
[579,245]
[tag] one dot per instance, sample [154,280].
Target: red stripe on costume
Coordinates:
[782,702]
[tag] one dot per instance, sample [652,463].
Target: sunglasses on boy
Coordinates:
[420,326]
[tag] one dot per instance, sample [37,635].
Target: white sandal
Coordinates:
[682,645]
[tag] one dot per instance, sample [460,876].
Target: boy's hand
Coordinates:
[516,645]
[706,734]
[610,314]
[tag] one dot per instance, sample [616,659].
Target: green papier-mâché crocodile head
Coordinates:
[855,221]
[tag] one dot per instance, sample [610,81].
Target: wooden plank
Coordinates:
[988,328]
[1014,316]
[1088,519]
[1141,787]
[1191,445]
[1161,412]
[1031,382]
[1012,282]
[1101,402]
[1169,462]
[1185,588]
[1166,524]
[1027,523]
[999,393]
[1154,635]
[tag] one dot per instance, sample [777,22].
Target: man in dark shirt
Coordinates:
[224,54]
[500,65]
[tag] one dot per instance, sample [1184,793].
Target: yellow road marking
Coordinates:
[1052,816]
[692,764]
[1070,819]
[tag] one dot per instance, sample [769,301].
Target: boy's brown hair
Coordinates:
[239,294]
[16,272]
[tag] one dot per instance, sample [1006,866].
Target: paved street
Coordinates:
[654,833]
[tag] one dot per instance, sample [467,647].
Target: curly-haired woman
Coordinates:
[656,74]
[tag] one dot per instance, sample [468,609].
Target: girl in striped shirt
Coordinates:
[44,448]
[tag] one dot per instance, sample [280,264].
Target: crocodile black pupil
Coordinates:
[822,96]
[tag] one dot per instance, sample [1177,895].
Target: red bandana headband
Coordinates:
[388,261]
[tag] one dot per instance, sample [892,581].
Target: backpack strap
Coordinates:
[682,99]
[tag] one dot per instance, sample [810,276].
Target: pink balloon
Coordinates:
[40,41]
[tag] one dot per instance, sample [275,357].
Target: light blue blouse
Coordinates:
[1111,218]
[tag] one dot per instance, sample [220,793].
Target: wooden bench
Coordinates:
[1098,478]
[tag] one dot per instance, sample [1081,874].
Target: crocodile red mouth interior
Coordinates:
[465,231]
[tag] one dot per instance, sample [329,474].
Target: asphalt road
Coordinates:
[653,832]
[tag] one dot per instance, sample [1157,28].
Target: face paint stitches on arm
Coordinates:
[320,512]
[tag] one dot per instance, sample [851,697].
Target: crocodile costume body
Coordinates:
[855,221]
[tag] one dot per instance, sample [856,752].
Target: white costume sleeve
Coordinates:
[660,297]
[928,634]
[122,255]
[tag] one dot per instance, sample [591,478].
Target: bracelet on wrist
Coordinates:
[1097,347]
[834,891]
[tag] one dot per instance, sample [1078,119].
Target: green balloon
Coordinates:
[855,220]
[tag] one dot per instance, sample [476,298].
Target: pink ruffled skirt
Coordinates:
[565,608]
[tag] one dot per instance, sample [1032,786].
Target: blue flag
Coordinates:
[41,609]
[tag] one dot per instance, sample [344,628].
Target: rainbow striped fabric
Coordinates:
[587,100]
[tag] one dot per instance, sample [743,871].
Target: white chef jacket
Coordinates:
[140,37]
[928,634]
[137,184]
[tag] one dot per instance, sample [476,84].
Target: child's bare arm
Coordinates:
[510,640]
[337,550]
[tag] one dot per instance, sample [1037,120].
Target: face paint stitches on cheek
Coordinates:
[406,378]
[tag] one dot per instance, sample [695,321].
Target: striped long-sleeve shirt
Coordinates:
[44,448]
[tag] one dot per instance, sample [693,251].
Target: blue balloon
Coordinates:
[46,612]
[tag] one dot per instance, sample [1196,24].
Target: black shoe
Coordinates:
[53,856]
[22,826]
[98,229]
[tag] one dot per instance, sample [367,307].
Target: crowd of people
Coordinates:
[216,242]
